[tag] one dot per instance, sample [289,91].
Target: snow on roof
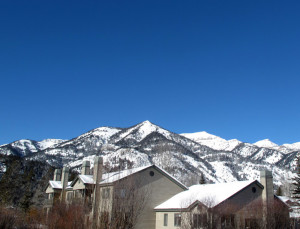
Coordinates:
[87,179]
[208,194]
[115,176]
[285,199]
[58,185]
[293,204]
[111,177]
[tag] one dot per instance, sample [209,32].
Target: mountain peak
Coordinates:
[266,143]
[203,135]
[147,122]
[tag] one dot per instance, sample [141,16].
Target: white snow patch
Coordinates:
[294,146]
[212,141]
[223,172]
[208,194]
[44,144]
[266,143]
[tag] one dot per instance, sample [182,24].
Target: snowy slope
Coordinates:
[212,141]
[184,156]
[266,143]
[47,143]
[27,147]
[293,147]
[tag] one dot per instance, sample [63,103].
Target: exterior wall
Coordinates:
[79,185]
[49,189]
[53,196]
[69,196]
[246,204]
[186,218]
[159,188]
[106,203]
[160,220]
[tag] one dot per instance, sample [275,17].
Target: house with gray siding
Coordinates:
[150,198]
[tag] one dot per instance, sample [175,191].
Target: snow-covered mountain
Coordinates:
[27,147]
[293,147]
[183,155]
[266,143]
[212,141]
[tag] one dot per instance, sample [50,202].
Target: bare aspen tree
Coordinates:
[124,204]
[198,214]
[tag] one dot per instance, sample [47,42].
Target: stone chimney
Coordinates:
[64,181]
[57,175]
[86,167]
[266,179]
[98,164]
[98,167]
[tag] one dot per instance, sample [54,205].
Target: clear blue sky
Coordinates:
[231,68]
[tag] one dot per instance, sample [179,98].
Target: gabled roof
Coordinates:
[109,178]
[288,200]
[58,185]
[210,195]
[293,204]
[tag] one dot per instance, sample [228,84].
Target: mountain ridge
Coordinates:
[183,155]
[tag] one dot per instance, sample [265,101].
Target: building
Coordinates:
[241,204]
[294,210]
[148,197]
[142,189]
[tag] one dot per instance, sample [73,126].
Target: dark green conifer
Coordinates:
[202,179]
[279,192]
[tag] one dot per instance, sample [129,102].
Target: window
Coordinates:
[77,194]
[177,220]
[165,219]
[105,193]
[69,196]
[199,220]
[251,223]
[51,195]
[227,221]
[123,193]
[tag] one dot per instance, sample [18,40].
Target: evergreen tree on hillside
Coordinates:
[296,180]
[202,179]
[279,192]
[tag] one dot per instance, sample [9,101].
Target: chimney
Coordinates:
[85,170]
[98,165]
[266,179]
[64,181]
[57,175]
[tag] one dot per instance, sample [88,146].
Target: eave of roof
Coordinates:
[57,185]
[203,193]
[111,178]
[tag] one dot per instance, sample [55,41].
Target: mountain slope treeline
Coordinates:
[31,163]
